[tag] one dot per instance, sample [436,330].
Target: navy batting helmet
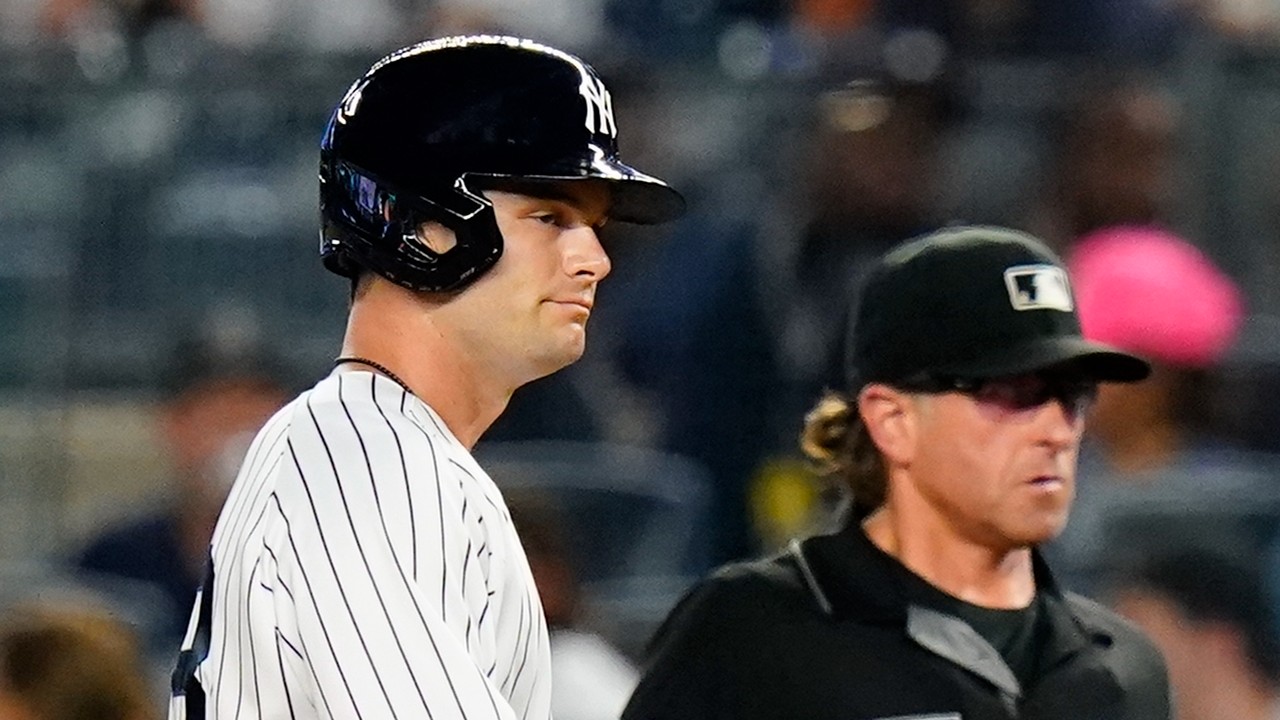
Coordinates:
[419,135]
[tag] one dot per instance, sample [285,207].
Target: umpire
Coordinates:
[969,380]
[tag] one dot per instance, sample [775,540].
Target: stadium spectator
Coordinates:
[1150,292]
[1211,617]
[591,679]
[216,397]
[67,663]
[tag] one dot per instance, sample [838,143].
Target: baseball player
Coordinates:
[364,566]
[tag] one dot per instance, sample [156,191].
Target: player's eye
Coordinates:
[550,217]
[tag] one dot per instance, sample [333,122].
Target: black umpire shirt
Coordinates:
[832,630]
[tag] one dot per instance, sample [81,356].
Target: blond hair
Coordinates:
[837,440]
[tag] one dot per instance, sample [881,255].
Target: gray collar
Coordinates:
[952,638]
[944,635]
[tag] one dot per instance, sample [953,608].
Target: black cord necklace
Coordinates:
[376,366]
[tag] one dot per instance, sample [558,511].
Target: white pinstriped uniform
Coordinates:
[366,567]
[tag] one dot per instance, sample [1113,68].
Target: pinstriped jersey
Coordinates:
[364,566]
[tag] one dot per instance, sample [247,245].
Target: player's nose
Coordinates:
[585,257]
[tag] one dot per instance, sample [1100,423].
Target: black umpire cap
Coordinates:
[974,302]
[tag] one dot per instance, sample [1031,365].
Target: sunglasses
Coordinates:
[1016,392]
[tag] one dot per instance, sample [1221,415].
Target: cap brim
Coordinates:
[1091,359]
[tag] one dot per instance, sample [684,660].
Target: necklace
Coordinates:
[376,366]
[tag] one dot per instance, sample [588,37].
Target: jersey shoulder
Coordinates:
[358,434]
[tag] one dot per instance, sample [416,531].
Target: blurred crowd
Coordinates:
[160,296]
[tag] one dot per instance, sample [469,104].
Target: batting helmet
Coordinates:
[416,138]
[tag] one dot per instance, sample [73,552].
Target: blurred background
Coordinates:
[160,293]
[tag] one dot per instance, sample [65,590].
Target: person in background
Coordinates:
[590,679]
[746,328]
[68,663]
[1148,291]
[215,398]
[1116,162]
[66,17]
[1215,623]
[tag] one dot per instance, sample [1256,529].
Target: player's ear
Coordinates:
[891,420]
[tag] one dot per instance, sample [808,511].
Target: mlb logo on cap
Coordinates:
[1038,287]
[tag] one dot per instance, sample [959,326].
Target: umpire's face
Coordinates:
[527,317]
[993,464]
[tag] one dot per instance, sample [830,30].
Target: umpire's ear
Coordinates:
[890,417]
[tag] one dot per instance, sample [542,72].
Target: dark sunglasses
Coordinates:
[1015,392]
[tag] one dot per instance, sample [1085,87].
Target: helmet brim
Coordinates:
[637,197]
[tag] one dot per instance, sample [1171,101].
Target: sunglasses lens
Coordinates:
[1078,394]
[1023,392]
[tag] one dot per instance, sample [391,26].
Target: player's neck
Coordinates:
[961,568]
[466,393]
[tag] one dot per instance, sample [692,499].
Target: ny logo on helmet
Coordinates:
[599,106]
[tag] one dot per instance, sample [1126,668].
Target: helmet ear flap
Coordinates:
[378,229]
[477,241]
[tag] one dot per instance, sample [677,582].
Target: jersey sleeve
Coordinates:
[381,552]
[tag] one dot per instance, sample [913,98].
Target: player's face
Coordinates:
[996,461]
[533,306]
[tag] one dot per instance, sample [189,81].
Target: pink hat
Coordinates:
[1148,291]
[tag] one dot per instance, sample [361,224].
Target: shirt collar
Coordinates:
[852,578]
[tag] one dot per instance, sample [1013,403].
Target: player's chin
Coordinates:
[569,345]
[573,339]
